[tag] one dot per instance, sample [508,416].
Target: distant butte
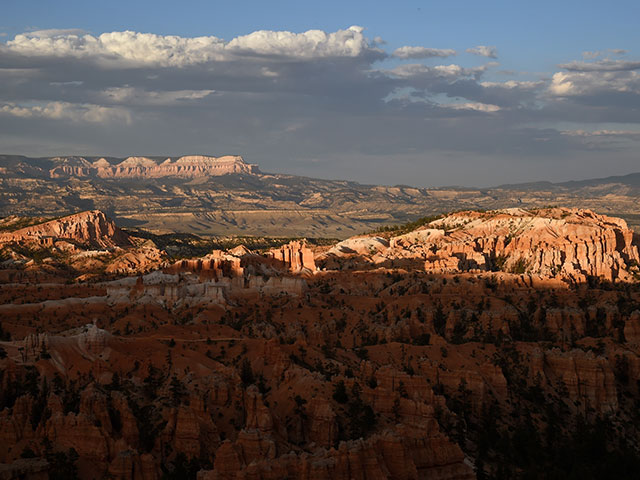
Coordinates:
[189,166]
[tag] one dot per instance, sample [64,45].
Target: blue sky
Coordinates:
[537,108]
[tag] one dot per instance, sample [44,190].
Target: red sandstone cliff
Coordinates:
[568,243]
[295,255]
[91,228]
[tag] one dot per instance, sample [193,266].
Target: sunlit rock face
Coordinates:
[189,166]
[296,256]
[92,228]
[571,244]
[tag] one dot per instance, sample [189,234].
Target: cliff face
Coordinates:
[91,228]
[296,256]
[568,243]
[565,243]
[214,265]
[189,166]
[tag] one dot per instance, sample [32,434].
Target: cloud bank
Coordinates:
[318,103]
[134,49]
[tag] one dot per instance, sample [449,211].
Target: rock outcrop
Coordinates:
[91,228]
[189,166]
[401,453]
[217,264]
[135,261]
[295,255]
[565,243]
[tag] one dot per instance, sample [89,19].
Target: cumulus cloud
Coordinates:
[484,51]
[422,52]
[135,49]
[591,82]
[311,44]
[613,86]
[68,111]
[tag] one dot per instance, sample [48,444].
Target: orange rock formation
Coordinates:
[239,365]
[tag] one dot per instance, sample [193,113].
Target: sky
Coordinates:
[419,93]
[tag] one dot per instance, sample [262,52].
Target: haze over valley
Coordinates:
[226,196]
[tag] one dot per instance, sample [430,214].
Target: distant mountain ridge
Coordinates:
[631,179]
[202,165]
[189,166]
[226,196]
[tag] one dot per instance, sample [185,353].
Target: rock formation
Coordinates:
[214,265]
[403,453]
[189,166]
[566,243]
[422,355]
[92,228]
[295,255]
[25,468]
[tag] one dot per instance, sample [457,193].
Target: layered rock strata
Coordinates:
[189,166]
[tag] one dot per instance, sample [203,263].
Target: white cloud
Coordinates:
[484,51]
[68,111]
[562,84]
[443,71]
[477,106]
[585,83]
[422,52]
[603,133]
[134,49]
[71,83]
[136,96]
[514,85]
[121,48]
[311,44]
